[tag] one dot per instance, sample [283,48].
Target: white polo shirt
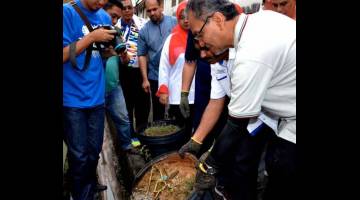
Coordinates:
[263,78]
[220,81]
[220,86]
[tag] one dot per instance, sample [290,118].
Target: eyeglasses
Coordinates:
[198,35]
[127,8]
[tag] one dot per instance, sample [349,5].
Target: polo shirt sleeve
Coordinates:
[249,83]
[217,91]
[142,49]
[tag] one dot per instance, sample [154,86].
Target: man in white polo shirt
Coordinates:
[262,79]
[230,183]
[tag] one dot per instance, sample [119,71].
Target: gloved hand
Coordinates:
[204,181]
[191,146]
[184,104]
[205,178]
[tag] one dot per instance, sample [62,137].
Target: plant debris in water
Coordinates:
[161,130]
[169,179]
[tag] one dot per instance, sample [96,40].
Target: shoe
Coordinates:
[135,142]
[133,151]
[100,188]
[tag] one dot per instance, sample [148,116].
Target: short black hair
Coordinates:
[204,8]
[112,3]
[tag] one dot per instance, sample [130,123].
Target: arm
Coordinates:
[210,117]
[142,56]
[143,69]
[124,57]
[98,35]
[188,75]
[191,55]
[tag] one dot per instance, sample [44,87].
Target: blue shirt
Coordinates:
[83,89]
[151,40]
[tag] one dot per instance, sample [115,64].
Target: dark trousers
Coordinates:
[281,166]
[83,135]
[158,108]
[237,155]
[137,101]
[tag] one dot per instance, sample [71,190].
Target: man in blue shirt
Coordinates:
[83,94]
[151,40]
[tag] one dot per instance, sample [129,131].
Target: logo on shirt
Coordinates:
[86,31]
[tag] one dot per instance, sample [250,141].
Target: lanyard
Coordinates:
[242,27]
[127,30]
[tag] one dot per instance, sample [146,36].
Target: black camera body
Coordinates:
[117,43]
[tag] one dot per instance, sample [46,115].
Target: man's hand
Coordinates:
[205,178]
[184,104]
[124,57]
[191,147]
[108,52]
[98,35]
[146,86]
[102,35]
[164,99]
[203,181]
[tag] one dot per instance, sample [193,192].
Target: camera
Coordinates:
[117,43]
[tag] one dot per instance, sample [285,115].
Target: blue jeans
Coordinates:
[83,135]
[116,107]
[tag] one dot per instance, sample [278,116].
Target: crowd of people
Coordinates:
[227,76]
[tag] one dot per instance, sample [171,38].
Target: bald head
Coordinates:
[152,1]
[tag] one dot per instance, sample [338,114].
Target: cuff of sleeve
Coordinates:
[197,141]
[163,89]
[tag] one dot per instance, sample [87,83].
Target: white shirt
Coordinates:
[263,78]
[220,86]
[171,76]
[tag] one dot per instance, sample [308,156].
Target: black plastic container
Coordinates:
[159,145]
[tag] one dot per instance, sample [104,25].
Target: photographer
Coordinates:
[84,92]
